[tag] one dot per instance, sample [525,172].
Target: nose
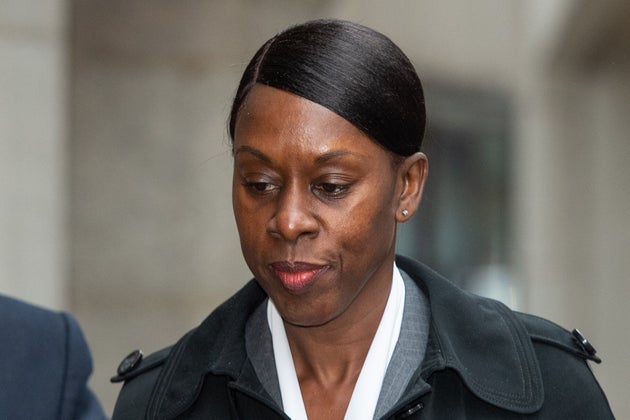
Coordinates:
[294,216]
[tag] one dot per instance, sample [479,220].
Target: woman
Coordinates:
[326,126]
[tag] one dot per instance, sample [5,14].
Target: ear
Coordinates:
[412,174]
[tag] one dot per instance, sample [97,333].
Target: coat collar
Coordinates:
[216,346]
[482,340]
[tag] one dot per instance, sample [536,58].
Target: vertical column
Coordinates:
[33,151]
[609,286]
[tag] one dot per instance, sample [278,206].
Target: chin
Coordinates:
[300,316]
[306,322]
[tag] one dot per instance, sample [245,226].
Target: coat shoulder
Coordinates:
[571,389]
[140,375]
[135,364]
[545,332]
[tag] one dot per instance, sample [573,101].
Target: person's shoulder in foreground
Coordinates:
[482,361]
[45,364]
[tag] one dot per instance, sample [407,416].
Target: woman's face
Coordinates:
[315,202]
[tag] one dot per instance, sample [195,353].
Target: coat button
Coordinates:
[584,343]
[130,362]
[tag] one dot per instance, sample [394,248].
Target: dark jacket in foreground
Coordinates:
[482,361]
[45,364]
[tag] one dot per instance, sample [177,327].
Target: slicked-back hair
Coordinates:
[352,70]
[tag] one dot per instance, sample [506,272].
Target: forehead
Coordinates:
[272,119]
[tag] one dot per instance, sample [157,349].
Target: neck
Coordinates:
[335,352]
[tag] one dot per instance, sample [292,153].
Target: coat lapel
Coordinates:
[482,340]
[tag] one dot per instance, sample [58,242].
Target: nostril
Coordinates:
[292,224]
[294,216]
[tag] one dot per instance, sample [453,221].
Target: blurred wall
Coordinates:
[151,238]
[573,178]
[33,151]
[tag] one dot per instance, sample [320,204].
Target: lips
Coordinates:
[297,276]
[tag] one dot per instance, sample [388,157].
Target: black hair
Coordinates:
[354,71]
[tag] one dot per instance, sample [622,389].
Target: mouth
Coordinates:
[296,277]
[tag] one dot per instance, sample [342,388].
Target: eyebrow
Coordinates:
[257,153]
[321,159]
[333,154]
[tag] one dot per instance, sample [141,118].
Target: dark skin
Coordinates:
[316,203]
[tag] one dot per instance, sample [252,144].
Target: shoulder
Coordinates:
[136,364]
[139,374]
[536,364]
[25,331]
[547,333]
[19,314]
[182,364]
[569,383]
[449,302]
[24,325]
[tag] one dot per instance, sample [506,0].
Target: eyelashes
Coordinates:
[332,190]
[323,190]
[261,188]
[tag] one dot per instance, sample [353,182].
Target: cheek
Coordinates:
[248,220]
[247,211]
[367,225]
[250,241]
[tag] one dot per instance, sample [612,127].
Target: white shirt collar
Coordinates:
[368,386]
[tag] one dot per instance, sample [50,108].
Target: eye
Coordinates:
[332,190]
[260,188]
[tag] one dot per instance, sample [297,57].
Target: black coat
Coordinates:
[482,361]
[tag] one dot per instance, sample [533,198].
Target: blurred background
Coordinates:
[115,168]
